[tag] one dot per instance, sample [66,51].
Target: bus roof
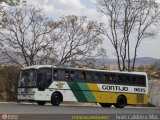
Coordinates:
[98,70]
[36,67]
[76,68]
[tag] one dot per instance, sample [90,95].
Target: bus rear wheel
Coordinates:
[56,98]
[41,102]
[121,102]
[105,104]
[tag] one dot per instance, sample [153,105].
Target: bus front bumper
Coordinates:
[26,97]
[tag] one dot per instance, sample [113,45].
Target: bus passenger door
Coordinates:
[44,78]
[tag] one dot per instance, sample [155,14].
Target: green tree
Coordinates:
[10,2]
[9,81]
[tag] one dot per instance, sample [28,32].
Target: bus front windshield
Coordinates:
[28,78]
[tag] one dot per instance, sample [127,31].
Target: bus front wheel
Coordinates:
[56,98]
[121,102]
[105,104]
[41,102]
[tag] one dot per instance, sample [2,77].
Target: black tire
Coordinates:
[41,102]
[121,102]
[56,99]
[105,105]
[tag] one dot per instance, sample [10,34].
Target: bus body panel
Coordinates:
[75,91]
[80,92]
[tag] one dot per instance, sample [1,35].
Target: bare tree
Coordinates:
[25,35]
[2,9]
[128,20]
[78,40]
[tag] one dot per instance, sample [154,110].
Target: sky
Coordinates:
[57,8]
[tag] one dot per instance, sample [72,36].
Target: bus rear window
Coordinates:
[139,80]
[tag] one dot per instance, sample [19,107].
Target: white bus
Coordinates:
[55,84]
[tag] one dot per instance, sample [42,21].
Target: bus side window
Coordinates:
[55,75]
[119,79]
[138,80]
[134,80]
[127,79]
[83,76]
[61,75]
[96,77]
[66,75]
[88,77]
[111,78]
[141,80]
[76,75]
[79,76]
[72,75]
[104,78]
[49,77]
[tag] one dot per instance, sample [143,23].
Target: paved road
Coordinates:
[20,108]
